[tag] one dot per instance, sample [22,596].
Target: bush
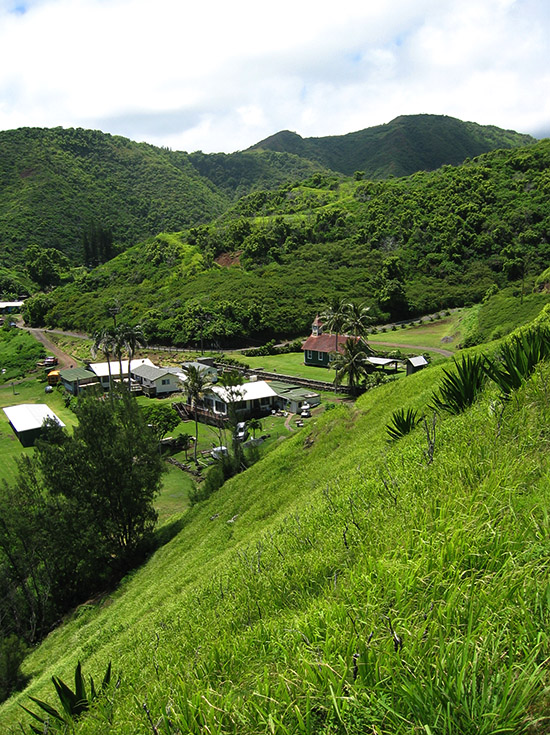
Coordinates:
[12,653]
[460,388]
[402,423]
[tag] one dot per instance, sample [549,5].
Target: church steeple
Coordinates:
[317,327]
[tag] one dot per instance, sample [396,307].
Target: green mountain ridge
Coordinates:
[407,144]
[55,183]
[408,246]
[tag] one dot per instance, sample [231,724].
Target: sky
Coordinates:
[222,75]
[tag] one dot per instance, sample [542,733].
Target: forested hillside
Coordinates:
[407,246]
[407,144]
[344,584]
[56,185]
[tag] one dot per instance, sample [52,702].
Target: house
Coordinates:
[256,398]
[320,348]
[76,379]
[204,368]
[101,369]
[414,364]
[157,381]
[27,420]
[293,397]
[9,307]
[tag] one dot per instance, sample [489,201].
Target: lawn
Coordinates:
[291,363]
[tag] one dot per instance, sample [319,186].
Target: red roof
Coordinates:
[325,342]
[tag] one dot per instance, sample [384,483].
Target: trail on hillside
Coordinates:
[64,359]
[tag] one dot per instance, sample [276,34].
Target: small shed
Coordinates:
[384,362]
[27,420]
[414,364]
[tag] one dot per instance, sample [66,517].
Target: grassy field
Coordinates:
[342,585]
[444,333]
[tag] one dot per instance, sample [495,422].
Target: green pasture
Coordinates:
[444,333]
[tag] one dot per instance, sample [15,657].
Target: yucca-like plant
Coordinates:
[460,388]
[517,359]
[402,422]
[73,703]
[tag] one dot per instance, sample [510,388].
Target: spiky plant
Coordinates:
[517,359]
[460,388]
[73,703]
[402,422]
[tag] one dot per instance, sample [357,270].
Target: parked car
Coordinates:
[241,431]
[219,452]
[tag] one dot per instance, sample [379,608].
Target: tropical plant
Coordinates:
[460,388]
[254,425]
[73,703]
[104,342]
[402,422]
[517,359]
[352,363]
[196,384]
[358,319]
[133,338]
[335,318]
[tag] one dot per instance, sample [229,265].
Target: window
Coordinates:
[309,354]
[165,381]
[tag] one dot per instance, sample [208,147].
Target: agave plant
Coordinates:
[73,703]
[517,359]
[402,422]
[460,388]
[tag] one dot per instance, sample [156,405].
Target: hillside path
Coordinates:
[439,350]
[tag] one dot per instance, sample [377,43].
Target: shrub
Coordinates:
[12,653]
[517,359]
[460,388]
[402,423]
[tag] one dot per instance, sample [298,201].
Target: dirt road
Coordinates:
[64,360]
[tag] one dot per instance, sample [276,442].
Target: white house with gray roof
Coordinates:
[156,381]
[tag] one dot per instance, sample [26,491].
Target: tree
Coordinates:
[195,387]
[107,473]
[352,363]
[255,425]
[104,342]
[161,418]
[133,338]
[334,318]
[358,319]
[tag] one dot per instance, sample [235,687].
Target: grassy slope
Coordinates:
[241,626]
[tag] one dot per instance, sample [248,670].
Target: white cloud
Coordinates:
[221,76]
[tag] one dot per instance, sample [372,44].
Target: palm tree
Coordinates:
[358,319]
[334,318]
[352,363]
[132,338]
[104,342]
[255,425]
[195,386]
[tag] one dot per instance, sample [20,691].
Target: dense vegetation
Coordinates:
[407,144]
[408,246]
[343,584]
[19,352]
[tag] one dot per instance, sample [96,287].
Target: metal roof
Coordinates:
[246,392]
[101,369]
[150,372]
[382,360]
[419,361]
[78,373]
[28,416]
